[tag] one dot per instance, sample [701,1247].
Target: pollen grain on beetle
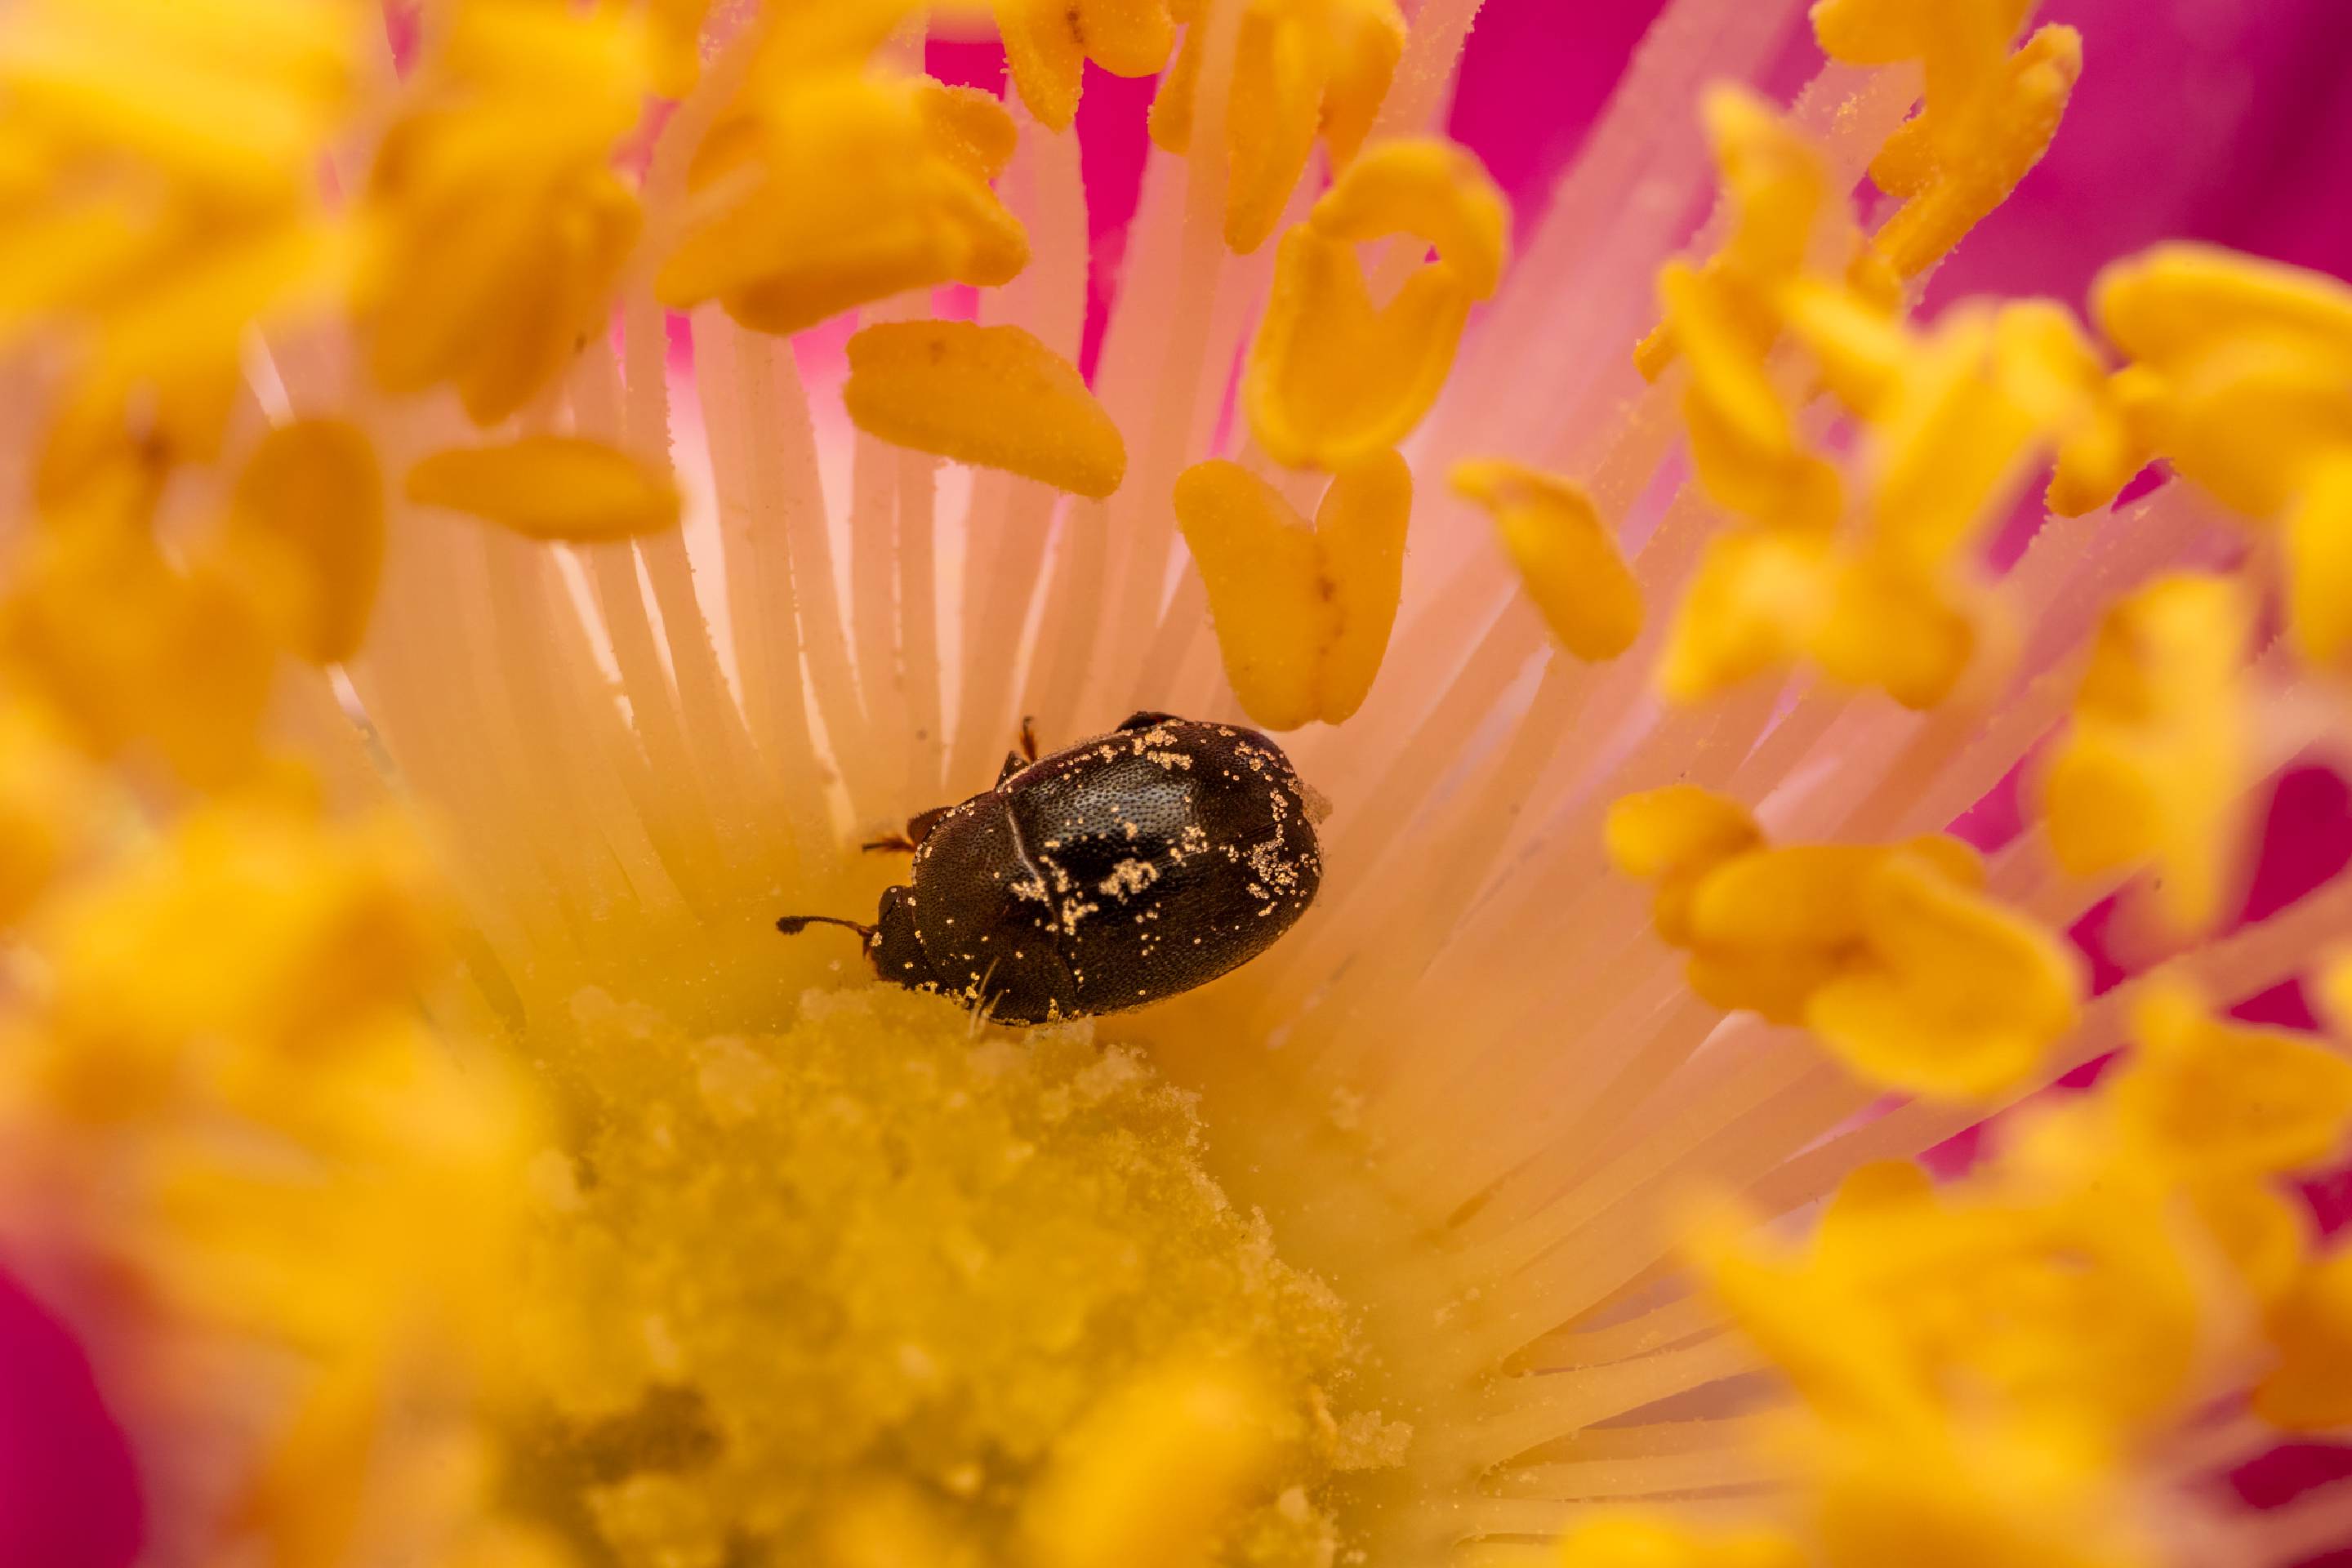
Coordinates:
[1399,1021]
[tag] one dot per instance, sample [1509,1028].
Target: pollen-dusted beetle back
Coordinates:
[1116,872]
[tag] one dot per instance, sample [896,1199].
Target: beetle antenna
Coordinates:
[793,925]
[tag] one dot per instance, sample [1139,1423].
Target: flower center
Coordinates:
[873,1286]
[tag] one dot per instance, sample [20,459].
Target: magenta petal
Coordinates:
[68,1494]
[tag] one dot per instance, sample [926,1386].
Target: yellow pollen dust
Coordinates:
[871,1283]
[990,395]
[1303,614]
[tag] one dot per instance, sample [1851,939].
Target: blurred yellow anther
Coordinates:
[1753,606]
[2047,367]
[1331,378]
[832,189]
[1888,952]
[1048,42]
[46,804]
[550,487]
[304,533]
[1567,556]
[1984,127]
[1432,189]
[1632,1540]
[1946,440]
[1674,836]
[2208,1098]
[496,226]
[990,395]
[2310,1389]
[2158,753]
[2032,1494]
[1860,350]
[1301,68]
[1151,1475]
[162,199]
[258,925]
[126,648]
[1956,997]
[2241,380]
[1302,616]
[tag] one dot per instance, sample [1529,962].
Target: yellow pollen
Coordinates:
[992,395]
[306,531]
[1302,615]
[1048,42]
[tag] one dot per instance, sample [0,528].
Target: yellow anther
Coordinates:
[1301,68]
[967,126]
[1674,836]
[1048,42]
[2310,1389]
[1946,441]
[1888,952]
[2169,306]
[1860,350]
[1632,1540]
[990,395]
[2158,753]
[1882,32]
[234,95]
[2316,540]
[305,533]
[1302,616]
[1332,379]
[1956,997]
[1432,189]
[2248,420]
[1784,217]
[1153,1474]
[2207,1098]
[496,226]
[843,189]
[2048,368]
[1782,208]
[124,650]
[47,795]
[550,487]
[1567,556]
[257,924]
[2263,1234]
[1953,184]
[1755,603]
[1743,438]
[1886,625]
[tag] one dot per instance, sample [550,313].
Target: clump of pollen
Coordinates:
[874,1289]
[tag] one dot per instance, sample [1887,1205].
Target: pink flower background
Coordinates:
[2216,120]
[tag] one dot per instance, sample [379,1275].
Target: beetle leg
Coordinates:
[1145,719]
[793,925]
[1029,736]
[918,827]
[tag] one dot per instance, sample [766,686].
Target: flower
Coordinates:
[487,548]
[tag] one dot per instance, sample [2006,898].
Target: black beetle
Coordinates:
[1116,872]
